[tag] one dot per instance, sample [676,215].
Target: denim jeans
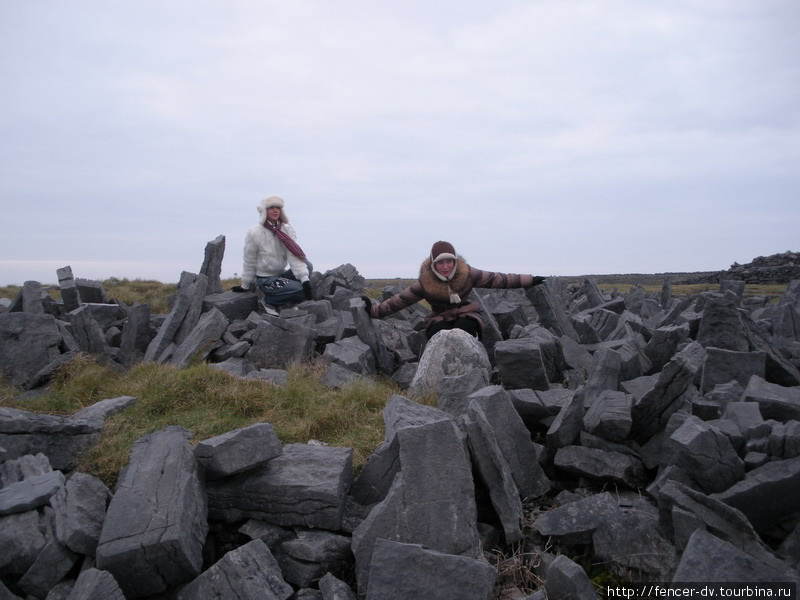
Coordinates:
[282,289]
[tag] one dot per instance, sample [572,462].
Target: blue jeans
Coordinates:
[282,289]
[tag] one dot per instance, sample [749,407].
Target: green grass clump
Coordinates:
[209,402]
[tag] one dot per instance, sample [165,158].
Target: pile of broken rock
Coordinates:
[657,436]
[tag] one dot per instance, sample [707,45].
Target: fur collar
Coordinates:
[439,289]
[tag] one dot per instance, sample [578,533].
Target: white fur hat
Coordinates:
[271,202]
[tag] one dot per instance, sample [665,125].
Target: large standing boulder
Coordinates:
[448,353]
[155,527]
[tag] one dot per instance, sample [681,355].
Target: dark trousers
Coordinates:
[471,326]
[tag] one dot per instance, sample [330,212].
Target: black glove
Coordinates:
[239,289]
[537,280]
[367,305]
[307,290]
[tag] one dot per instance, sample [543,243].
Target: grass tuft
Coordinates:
[209,402]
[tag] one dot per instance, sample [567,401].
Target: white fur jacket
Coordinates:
[264,255]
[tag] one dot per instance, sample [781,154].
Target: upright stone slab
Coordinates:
[494,472]
[212,263]
[94,584]
[551,313]
[32,297]
[412,572]
[431,502]
[28,343]
[664,344]
[87,332]
[566,580]
[514,440]
[156,525]
[69,291]
[135,334]
[721,325]
[182,318]
[652,410]
[368,334]
[80,512]
[201,340]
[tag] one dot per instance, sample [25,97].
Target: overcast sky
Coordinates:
[543,136]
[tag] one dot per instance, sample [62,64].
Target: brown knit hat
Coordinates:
[442,250]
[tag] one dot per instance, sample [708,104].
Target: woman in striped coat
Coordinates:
[445,281]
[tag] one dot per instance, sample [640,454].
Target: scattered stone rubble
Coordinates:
[654,435]
[776,268]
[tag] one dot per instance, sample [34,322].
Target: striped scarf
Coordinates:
[284,239]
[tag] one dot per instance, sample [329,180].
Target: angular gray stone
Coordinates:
[249,572]
[664,344]
[403,571]
[28,343]
[550,309]
[94,584]
[368,333]
[335,589]
[708,558]
[722,366]
[279,342]
[233,305]
[376,476]
[135,334]
[22,537]
[182,317]
[80,512]
[52,564]
[568,423]
[676,499]
[448,353]
[306,558]
[352,354]
[609,416]
[519,362]
[212,263]
[70,295]
[155,526]
[705,454]
[652,410]
[602,465]
[566,580]
[513,439]
[424,506]
[776,402]
[17,469]
[575,522]
[631,546]
[766,495]
[400,412]
[452,392]
[306,486]
[30,493]
[721,325]
[201,340]
[493,470]
[604,374]
[336,376]
[239,450]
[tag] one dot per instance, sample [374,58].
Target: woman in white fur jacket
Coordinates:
[268,249]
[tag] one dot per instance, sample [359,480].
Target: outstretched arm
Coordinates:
[410,295]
